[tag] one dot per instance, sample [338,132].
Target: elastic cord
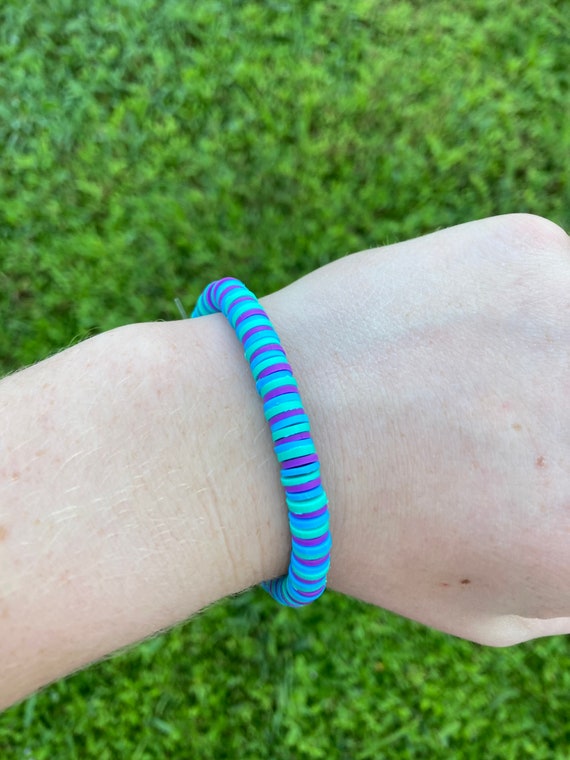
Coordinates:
[290,429]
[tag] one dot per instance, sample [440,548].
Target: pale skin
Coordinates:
[138,483]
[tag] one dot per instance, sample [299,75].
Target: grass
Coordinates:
[149,146]
[247,679]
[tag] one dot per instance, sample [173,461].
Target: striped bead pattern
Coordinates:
[306,499]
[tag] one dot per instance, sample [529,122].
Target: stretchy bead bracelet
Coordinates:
[300,470]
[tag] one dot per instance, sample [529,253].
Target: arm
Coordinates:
[138,482]
[137,486]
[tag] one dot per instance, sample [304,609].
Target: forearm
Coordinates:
[137,486]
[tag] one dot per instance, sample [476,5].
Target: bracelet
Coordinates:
[306,499]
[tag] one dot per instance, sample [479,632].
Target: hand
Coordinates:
[437,374]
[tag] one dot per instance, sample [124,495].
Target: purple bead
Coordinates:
[298,461]
[277,367]
[279,391]
[310,541]
[254,330]
[267,347]
[249,313]
[294,437]
[313,562]
[302,487]
[285,415]
[241,299]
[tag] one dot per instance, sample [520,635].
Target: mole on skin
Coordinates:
[463,582]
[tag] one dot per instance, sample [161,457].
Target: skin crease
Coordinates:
[436,374]
[449,443]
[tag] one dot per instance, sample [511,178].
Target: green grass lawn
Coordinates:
[149,146]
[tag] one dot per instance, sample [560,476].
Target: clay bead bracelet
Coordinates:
[290,430]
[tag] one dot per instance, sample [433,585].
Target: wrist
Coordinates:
[422,364]
[226,447]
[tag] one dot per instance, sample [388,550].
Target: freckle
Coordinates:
[40,453]
[540,461]
[516,426]
[15,475]
[444,585]
[465,581]
[3,532]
